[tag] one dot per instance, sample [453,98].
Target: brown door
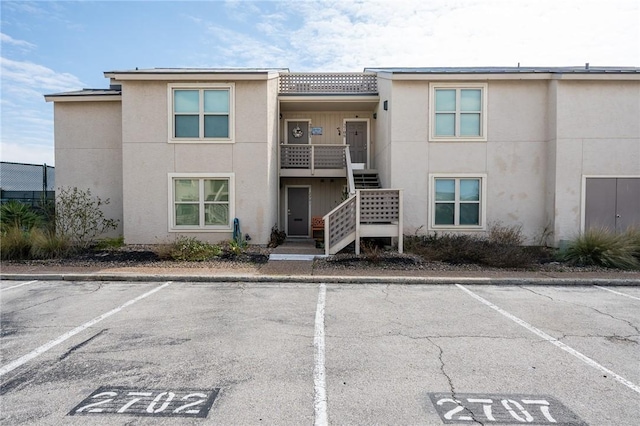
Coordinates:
[612,203]
[357,141]
[298,212]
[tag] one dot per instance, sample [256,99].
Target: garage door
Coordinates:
[612,203]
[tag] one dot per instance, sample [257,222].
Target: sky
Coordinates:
[55,46]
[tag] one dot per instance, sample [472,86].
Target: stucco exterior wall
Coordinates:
[382,124]
[513,159]
[598,133]
[148,158]
[88,152]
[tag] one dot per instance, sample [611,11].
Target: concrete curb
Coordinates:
[317,279]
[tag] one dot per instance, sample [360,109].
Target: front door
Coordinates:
[298,211]
[357,141]
[297,132]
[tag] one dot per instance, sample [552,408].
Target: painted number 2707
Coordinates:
[503,409]
[147,402]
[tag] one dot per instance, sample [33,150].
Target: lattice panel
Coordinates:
[295,156]
[379,206]
[328,83]
[329,157]
[342,222]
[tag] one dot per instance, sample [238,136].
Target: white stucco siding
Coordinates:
[149,157]
[513,159]
[516,187]
[88,152]
[598,133]
[145,112]
[598,109]
[146,167]
[382,128]
[410,111]
[517,111]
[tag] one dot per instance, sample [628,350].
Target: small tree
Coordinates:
[79,216]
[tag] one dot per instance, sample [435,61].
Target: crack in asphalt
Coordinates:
[621,338]
[81,344]
[99,286]
[37,304]
[452,387]
[536,293]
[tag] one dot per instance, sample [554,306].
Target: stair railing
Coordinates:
[351,185]
[340,225]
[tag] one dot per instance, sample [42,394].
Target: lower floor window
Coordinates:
[457,201]
[202,201]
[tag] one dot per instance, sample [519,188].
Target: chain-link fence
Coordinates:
[32,184]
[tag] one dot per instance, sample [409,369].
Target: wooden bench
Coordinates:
[317,226]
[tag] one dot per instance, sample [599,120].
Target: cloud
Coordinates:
[28,153]
[27,124]
[337,35]
[7,39]
[37,76]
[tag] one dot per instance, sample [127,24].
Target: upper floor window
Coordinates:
[201,113]
[458,112]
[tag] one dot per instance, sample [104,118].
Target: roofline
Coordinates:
[509,73]
[196,74]
[83,97]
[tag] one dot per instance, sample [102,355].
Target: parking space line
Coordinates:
[319,378]
[552,340]
[617,292]
[18,285]
[42,349]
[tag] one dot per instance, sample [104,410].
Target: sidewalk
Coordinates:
[304,271]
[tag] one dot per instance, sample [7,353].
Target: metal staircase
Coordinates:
[366,179]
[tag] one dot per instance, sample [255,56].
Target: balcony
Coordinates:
[312,160]
[328,84]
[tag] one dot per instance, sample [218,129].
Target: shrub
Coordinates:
[109,243]
[277,237]
[500,249]
[234,248]
[505,235]
[15,244]
[18,215]
[48,245]
[188,249]
[79,216]
[633,235]
[371,250]
[600,247]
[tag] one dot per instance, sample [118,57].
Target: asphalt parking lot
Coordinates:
[110,353]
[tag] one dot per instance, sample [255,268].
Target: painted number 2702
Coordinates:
[147,402]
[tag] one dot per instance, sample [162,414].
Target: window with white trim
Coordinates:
[458,112]
[201,202]
[458,202]
[201,113]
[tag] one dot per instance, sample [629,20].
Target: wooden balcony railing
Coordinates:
[328,83]
[311,158]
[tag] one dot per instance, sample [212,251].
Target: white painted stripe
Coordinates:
[42,349]
[319,379]
[617,292]
[18,285]
[553,341]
